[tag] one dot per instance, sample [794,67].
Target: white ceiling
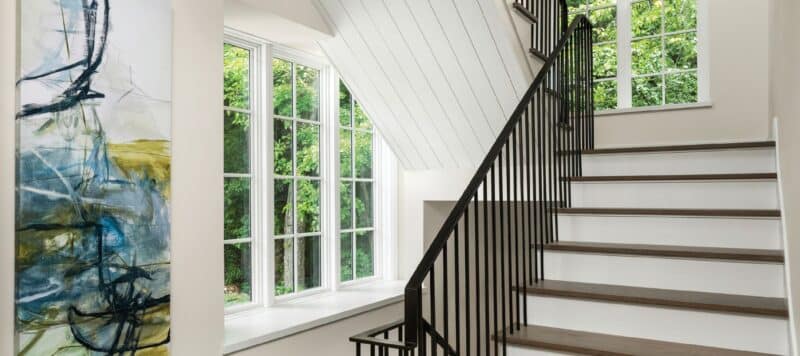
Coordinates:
[438,77]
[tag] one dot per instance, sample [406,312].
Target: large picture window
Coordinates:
[356,190]
[301,189]
[646,52]
[298,235]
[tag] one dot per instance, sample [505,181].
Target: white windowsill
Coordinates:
[657,108]
[254,327]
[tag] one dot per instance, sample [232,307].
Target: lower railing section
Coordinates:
[463,298]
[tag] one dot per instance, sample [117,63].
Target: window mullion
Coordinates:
[624,61]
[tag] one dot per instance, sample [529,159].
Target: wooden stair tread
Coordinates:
[589,343]
[538,54]
[737,254]
[697,147]
[746,213]
[704,301]
[675,177]
[525,13]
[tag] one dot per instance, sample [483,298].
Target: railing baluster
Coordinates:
[458,282]
[485,270]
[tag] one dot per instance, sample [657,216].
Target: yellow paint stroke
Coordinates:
[144,158]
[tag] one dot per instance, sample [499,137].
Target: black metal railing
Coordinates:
[463,298]
[551,21]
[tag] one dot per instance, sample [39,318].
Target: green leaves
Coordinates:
[236,61]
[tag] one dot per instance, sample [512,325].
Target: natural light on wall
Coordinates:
[645,51]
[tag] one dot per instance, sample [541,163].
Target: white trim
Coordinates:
[654,108]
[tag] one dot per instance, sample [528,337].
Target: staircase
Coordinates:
[559,248]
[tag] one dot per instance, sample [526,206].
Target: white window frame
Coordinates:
[378,175]
[258,53]
[262,179]
[625,76]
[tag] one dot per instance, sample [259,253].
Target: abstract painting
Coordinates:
[93,177]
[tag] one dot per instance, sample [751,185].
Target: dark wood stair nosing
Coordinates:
[526,14]
[675,177]
[674,148]
[742,213]
[693,252]
[592,343]
[679,299]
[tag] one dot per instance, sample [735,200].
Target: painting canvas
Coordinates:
[93,177]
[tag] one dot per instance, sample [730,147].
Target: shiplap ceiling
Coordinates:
[438,78]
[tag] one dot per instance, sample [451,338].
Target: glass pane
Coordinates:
[364,252]
[308,206]
[309,262]
[646,18]
[284,266]
[647,91]
[237,208]
[282,87]
[605,24]
[681,51]
[605,60]
[237,77]
[360,118]
[605,95]
[238,277]
[283,207]
[345,153]
[346,205]
[345,108]
[681,88]
[307,149]
[307,93]
[646,56]
[283,147]
[346,256]
[680,15]
[363,154]
[574,5]
[364,204]
[237,142]
[597,3]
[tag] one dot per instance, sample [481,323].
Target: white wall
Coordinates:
[258,21]
[785,95]
[7,77]
[196,177]
[300,12]
[738,39]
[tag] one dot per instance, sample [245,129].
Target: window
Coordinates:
[298,234]
[649,55]
[300,185]
[238,227]
[356,190]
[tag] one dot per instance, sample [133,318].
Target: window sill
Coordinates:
[658,108]
[259,326]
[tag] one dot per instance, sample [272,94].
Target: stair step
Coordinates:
[718,253]
[703,301]
[744,213]
[525,13]
[676,177]
[588,343]
[675,148]
[538,54]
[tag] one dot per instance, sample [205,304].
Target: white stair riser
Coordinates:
[672,230]
[704,275]
[689,162]
[684,194]
[732,331]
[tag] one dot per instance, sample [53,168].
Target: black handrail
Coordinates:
[514,196]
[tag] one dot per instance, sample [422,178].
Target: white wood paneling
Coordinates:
[438,78]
